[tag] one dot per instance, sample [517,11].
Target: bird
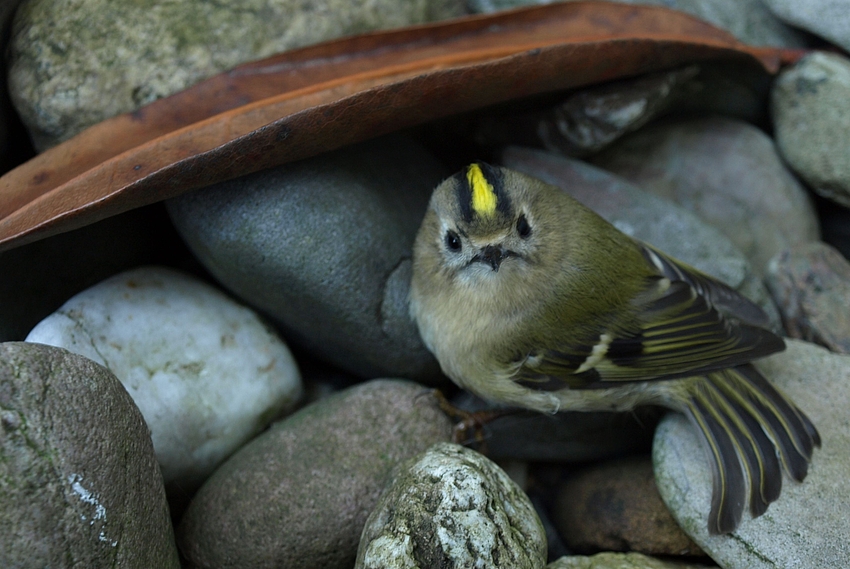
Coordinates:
[529,299]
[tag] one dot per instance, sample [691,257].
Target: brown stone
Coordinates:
[299,494]
[616,507]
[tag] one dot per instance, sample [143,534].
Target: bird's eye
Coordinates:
[453,241]
[522,227]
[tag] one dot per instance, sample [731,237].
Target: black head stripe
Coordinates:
[464,196]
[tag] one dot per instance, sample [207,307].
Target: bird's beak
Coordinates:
[493,256]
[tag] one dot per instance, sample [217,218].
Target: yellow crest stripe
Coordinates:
[483,195]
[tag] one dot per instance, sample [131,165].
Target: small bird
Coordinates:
[528,298]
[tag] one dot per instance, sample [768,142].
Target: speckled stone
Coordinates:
[323,247]
[725,171]
[452,507]
[74,64]
[808,525]
[811,286]
[79,483]
[810,103]
[299,494]
[206,372]
[649,218]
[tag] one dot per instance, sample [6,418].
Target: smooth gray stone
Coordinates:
[649,218]
[810,103]
[73,64]
[725,171]
[79,482]
[299,494]
[808,525]
[748,20]
[452,507]
[323,246]
[565,437]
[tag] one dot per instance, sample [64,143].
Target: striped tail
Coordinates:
[749,428]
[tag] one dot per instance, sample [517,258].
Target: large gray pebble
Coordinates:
[811,286]
[725,171]
[808,526]
[206,372]
[79,482]
[649,218]
[74,64]
[452,507]
[300,493]
[323,246]
[810,102]
[748,20]
[828,19]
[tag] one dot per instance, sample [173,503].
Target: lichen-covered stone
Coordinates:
[452,507]
[79,483]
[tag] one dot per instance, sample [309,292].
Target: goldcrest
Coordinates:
[527,298]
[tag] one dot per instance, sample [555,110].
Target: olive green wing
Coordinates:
[720,295]
[675,331]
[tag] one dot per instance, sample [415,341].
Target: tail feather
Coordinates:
[788,421]
[754,446]
[729,485]
[750,429]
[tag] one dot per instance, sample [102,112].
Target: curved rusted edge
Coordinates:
[221,92]
[59,165]
[266,150]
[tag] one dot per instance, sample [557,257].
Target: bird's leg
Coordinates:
[469,426]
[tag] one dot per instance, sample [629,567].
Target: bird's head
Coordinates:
[482,224]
